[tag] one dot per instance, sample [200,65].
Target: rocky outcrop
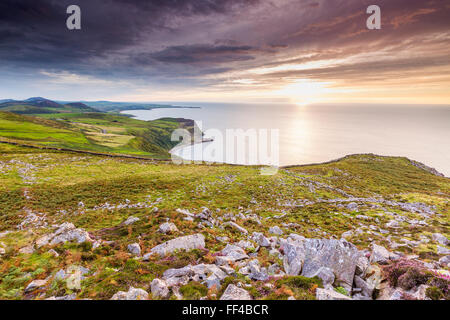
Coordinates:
[326,294]
[132,294]
[235,293]
[196,241]
[308,256]
[167,227]
[66,232]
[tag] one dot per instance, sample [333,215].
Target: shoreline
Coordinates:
[415,163]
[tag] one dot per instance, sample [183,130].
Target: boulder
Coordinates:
[326,294]
[196,241]
[276,230]
[180,272]
[260,239]
[167,227]
[35,284]
[444,261]
[361,266]
[366,288]
[132,294]
[66,232]
[233,253]
[309,255]
[130,221]
[443,250]
[235,226]
[27,250]
[326,275]
[381,255]
[135,249]
[159,289]
[441,239]
[232,292]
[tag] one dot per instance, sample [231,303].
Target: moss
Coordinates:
[341,291]
[434,293]
[193,291]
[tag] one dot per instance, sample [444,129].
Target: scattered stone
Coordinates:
[443,240]
[132,294]
[443,250]
[130,221]
[326,275]
[444,261]
[35,284]
[309,255]
[260,239]
[276,230]
[53,253]
[135,249]
[65,233]
[196,241]
[381,255]
[159,289]
[27,250]
[234,293]
[167,227]
[366,289]
[326,294]
[235,226]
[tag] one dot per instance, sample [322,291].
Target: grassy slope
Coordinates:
[92,132]
[58,181]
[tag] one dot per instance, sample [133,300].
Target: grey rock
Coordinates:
[27,250]
[232,292]
[260,239]
[444,261]
[326,274]
[180,272]
[443,240]
[276,230]
[159,288]
[60,275]
[381,255]
[135,249]
[167,227]
[131,220]
[196,241]
[361,266]
[326,294]
[366,289]
[35,284]
[309,255]
[235,226]
[132,294]
[443,250]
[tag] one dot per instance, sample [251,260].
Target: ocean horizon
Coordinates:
[319,133]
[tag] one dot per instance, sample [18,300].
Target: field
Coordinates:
[41,189]
[98,132]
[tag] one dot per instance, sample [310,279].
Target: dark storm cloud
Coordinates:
[34,32]
[186,39]
[203,54]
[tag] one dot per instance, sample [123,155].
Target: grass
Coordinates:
[56,182]
[97,132]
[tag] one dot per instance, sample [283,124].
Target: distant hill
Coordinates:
[98,132]
[110,106]
[39,105]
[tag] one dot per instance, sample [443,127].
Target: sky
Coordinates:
[297,51]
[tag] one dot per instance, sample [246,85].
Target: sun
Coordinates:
[304,91]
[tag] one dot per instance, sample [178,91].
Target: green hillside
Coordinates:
[97,132]
[402,209]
